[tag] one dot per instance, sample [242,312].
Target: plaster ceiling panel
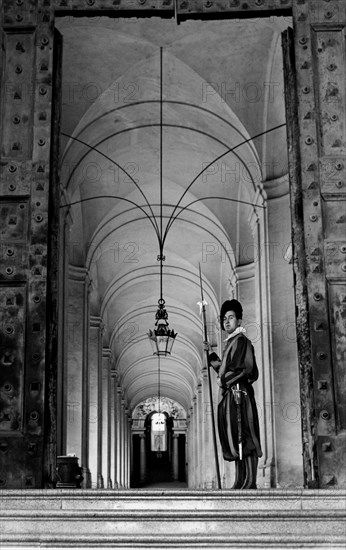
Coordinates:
[138,358]
[126,326]
[226,53]
[275,146]
[120,249]
[140,144]
[234,66]
[96,176]
[186,158]
[93,59]
[177,380]
[129,341]
[181,288]
[181,84]
[207,214]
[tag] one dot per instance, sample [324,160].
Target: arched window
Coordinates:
[158,433]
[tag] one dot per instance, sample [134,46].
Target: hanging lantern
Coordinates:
[161,338]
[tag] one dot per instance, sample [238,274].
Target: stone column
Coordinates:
[95,404]
[262,343]
[62,412]
[131,456]
[77,373]
[209,458]
[142,458]
[112,432]
[175,457]
[126,447]
[129,446]
[118,436]
[123,447]
[189,449]
[245,292]
[195,462]
[285,381]
[106,416]
[186,464]
[200,433]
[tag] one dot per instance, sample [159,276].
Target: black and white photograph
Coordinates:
[172,274]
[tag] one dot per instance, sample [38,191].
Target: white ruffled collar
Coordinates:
[238,330]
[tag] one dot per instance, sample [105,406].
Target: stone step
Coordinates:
[172,519]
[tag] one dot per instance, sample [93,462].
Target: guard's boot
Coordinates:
[250,474]
[239,474]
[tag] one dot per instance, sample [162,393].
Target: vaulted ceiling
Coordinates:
[221,83]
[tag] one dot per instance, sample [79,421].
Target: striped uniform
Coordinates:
[238,366]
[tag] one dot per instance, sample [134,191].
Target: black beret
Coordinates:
[231,305]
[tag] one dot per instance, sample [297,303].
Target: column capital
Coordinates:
[245,272]
[255,214]
[142,436]
[277,187]
[175,436]
[96,322]
[204,374]
[106,352]
[232,279]
[78,274]
[288,257]
[254,221]
[64,202]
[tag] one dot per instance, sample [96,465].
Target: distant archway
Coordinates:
[158,444]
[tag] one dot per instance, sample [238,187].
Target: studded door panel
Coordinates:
[26,59]
[318,192]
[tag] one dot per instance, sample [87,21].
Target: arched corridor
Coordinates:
[167,115]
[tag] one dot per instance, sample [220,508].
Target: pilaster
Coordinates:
[123,443]
[106,416]
[189,452]
[286,403]
[118,423]
[264,388]
[142,458]
[95,404]
[195,462]
[175,462]
[127,447]
[77,372]
[200,431]
[112,446]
